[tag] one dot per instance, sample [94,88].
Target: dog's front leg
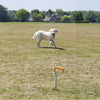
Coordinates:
[50,42]
[54,44]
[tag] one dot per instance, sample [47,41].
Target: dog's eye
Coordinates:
[55,31]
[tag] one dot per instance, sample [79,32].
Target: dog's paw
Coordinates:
[56,47]
[39,46]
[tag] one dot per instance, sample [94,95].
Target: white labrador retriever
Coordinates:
[49,36]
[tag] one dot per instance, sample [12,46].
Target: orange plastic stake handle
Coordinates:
[58,68]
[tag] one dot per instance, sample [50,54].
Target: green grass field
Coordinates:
[26,72]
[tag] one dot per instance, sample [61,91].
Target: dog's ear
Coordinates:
[53,30]
[50,30]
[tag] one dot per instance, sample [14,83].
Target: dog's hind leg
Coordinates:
[38,43]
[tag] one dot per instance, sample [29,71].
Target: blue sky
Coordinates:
[66,5]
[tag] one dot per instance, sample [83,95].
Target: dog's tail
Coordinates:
[33,37]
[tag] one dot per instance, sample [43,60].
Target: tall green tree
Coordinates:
[98,18]
[22,15]
[59,12]
[49,12]
[91,16]
[12,15]
[3,14]
[67,12]
[77,16]
[43,13]
[35,11]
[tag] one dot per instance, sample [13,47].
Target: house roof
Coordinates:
[53,17]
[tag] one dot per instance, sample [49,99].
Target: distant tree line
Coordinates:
[35,15]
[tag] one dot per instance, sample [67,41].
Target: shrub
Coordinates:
[83,21]
[65,18]
[37,17]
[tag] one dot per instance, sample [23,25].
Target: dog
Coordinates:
[45,35]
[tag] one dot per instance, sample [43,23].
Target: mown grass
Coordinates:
[26,72]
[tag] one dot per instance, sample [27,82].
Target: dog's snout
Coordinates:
[53,35]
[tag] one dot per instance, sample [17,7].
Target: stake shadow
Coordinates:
[55,89]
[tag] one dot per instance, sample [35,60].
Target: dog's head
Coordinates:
[53,32]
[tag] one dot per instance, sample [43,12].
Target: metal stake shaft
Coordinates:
[55,80]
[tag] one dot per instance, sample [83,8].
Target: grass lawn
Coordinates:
[26,71]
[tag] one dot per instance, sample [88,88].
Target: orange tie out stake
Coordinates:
[55,75]
[58,68]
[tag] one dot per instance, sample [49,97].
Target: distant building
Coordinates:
[52,18]
[30,19]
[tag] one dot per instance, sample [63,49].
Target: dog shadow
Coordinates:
[53,48]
